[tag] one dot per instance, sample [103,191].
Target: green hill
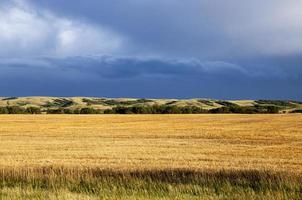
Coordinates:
[74,103]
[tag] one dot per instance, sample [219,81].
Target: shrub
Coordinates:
[59,103]
[16,110]
[33,110]
[3,110]
[67,111]
[206,102]
[272,109]
[220,110]
[226,103]
[109,111]
[297,111]
[122,110]
[276,103]
[86,111]
[55,111]
[10,98]
[77,111]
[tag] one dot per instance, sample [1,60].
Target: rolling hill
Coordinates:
[46,103]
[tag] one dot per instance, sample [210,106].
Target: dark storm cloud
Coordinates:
[151,48]
[210,29]
[132,77]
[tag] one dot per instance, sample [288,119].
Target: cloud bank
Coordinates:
[28,31]
[151,48]
[150,78]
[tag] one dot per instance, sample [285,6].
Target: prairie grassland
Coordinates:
[151,157]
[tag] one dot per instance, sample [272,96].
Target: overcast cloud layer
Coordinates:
[151,48]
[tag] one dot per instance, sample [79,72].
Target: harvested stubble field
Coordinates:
[151,157]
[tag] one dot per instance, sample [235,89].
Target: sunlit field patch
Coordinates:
[150,156]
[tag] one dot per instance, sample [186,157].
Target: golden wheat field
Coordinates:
[151,156]
[153,141]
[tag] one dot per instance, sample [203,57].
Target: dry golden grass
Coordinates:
[147,142]
[244,102]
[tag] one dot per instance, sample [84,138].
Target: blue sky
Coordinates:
[231,49]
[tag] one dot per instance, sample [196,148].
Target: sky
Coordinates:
[235,49]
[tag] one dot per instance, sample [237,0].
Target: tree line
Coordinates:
[155,109]
[164,109]
[19,110]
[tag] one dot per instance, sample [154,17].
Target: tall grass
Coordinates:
[65,183]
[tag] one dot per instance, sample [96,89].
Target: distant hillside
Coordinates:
[74,103]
